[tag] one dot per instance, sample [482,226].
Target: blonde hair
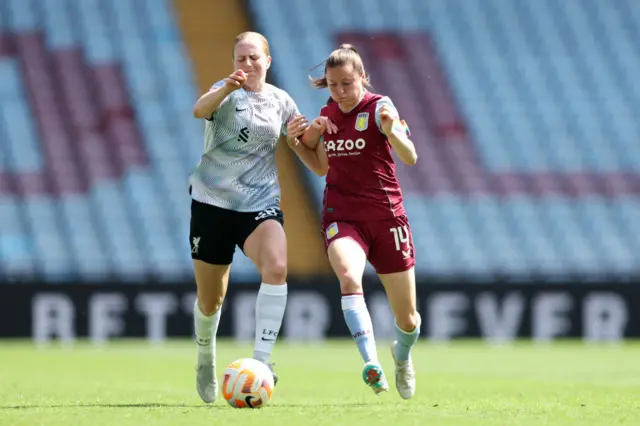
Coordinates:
[345,54]
[251,34]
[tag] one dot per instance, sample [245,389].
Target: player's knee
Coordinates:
[349,283]
[210,305]
[274,272]
[408,321]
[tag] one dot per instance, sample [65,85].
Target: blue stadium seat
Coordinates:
[126,220]
[546,91]
[523,113]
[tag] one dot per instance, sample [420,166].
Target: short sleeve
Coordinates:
[385,101]
[215,86]
[290,111]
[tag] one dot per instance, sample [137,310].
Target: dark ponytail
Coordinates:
[345,54]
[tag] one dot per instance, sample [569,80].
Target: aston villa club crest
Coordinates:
[362,121]
[332,230]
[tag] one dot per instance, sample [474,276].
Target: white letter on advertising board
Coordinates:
[104,316]
[52,315]
[156,307]
[445,315]
[496,323]
[549,312]
[604,316]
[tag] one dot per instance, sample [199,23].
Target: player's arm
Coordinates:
[323,159]
[402,145]
[292,132]
[314,132]
[311,134]
[310,138]
[297,126]
[314,159]
[210,101]
[310,157]
[306,141]
[396,132]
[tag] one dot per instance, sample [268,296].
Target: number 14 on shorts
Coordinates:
[401,238]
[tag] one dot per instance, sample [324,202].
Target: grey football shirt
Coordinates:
[238,168]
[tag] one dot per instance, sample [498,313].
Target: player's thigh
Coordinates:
[212,244]
[392,247]
[266,244]
[393,257]
[347,253]
[401,292]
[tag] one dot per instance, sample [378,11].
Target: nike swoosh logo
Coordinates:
[268,340]
[237,109]
[248,401]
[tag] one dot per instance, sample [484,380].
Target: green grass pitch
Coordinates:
[460,383]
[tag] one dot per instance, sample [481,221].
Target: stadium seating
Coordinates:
[96,142]
[524,115]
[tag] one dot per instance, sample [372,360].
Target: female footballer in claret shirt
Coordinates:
[363,217]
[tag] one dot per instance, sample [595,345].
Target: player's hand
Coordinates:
[297,126]
[387,118]
[323,124]
[235,81]
[293,143]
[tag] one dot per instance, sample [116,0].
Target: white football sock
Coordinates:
[206,328]
[357,317]
[270,306]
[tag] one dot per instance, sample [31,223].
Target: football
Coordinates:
[247,383]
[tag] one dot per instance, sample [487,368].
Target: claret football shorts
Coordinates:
[388,244]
